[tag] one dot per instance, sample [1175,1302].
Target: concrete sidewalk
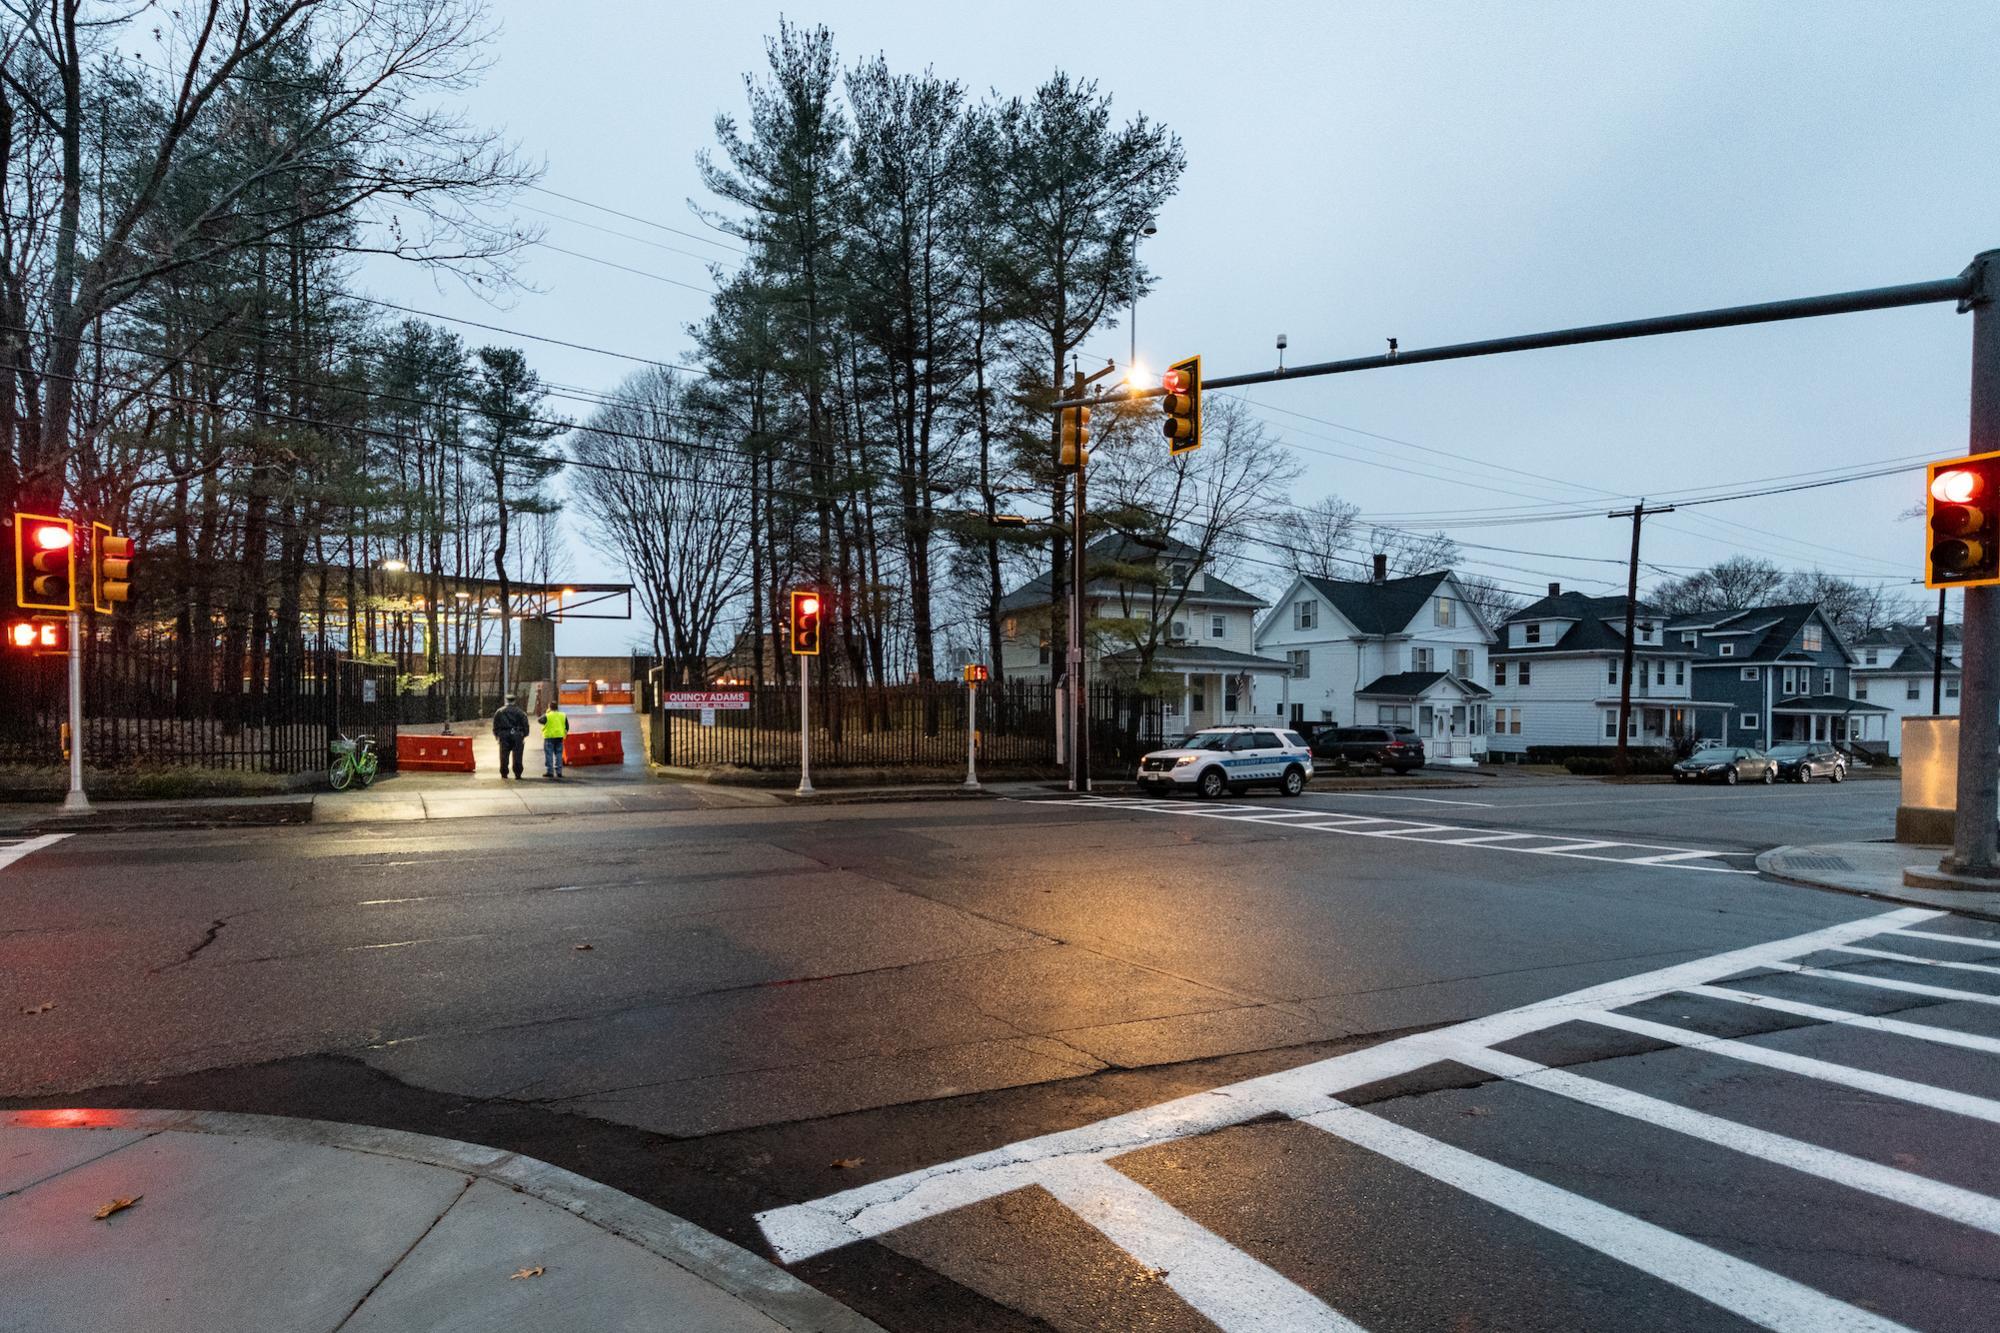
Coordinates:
[267,1225]
[1875,870]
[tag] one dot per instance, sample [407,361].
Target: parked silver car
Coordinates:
[1727,764]
[1802,761]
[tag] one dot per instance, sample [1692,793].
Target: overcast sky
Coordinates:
[1435,173]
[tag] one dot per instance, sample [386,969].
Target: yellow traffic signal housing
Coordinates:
[44,563]
[1182,405]
[975,672]
[1962,513]
[1076,437]
[805,623]
[110,568]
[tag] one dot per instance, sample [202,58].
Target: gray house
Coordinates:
[1784,673]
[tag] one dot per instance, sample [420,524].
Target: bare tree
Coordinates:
[1728,585]
[1320,538]
[1413,552]
[669,497]
[1854,608]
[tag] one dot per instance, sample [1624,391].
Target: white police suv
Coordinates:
[1224,759]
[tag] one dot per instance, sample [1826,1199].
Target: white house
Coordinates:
[1405,652]
[1200,627]
[1893,670]
[1557,671]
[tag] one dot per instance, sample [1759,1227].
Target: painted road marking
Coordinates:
[1890,983]
[1977,940]
[1379,796]
[1884,1085]
[1742,1288]
[12,852]
[1893,956]
[1217,1279]
[1240,1295]
[1655,855]
[1895,1026]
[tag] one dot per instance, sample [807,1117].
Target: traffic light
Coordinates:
[44,563]
[110,568]
[1076,437]
[1962,504]
[1182,404]
[805,623]
[39,634]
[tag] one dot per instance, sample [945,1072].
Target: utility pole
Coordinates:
[1637,513]
[75,802]
[1977,835]
[1079,700]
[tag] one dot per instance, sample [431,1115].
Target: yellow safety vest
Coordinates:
[555,725]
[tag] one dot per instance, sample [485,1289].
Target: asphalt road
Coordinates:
[1260,1064]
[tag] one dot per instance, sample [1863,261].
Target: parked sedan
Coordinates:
[1803,761]
[1731,766]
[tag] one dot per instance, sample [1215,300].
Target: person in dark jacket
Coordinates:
[510,728]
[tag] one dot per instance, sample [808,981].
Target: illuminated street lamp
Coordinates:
[395,566]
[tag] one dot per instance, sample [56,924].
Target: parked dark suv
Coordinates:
[1397,748]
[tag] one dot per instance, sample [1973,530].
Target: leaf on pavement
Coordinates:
[586,946]
[41,1008]
[536,1271]
[116,1206]
[846,1163]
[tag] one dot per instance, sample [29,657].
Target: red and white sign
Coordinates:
[738,700]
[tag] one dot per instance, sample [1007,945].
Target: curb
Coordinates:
[755,1281]
[114,818]
[1767,863]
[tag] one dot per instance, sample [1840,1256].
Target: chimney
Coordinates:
[1555,590]
[1381,567]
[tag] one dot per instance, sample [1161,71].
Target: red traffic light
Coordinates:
[808,606]
[52,536]
[44,563]
[805,623]
[1956,486]
[1175,381]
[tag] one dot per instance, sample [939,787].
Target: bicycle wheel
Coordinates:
[340,774]
[369,766]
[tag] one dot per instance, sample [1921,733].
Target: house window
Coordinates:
[1011,627]
[1871,657]
[1861,689]
[1461,663]
[1218,627]
[1177,574]
[1725,650]
[1812,638]
[1229,696]
[1749,673]
[1826,681]
[1326,715]
[1522,673]
[1420,659]
[1506,722]
[1911,689]
[1689,640]
[1042,651]
[1197,702]
[1499,673]
[1514,722]
[1611,671]
[1790,683]
[1747,722]
[1532,632]
[1446,614]
[1660,672]
[1305,614]
[1951,689]
[1301,660]
[1680,673]
[1611,725]
[1393,713]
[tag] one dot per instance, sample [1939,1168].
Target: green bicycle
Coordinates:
[354,758]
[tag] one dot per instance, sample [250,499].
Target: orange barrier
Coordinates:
[433,754]
[593,747]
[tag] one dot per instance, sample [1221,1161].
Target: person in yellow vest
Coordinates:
[555,726]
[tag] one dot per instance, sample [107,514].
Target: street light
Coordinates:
[1132,361]
[395,566]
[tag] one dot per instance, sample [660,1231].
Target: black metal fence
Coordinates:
[157,705]
[918,725]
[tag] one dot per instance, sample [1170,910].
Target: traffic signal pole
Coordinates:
[1637,513]
[76,801]
[1977,837]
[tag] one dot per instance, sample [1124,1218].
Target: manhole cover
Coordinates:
[1817,863]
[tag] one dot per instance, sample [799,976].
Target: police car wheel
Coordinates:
[1211,785]
[1294,782]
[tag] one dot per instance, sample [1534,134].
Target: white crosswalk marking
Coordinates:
[10,852]
[1652,855]
[1240,1294]
[1893,956]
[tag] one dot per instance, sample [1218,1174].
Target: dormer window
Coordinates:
[1177,574]
[1532,632]
[1725,649]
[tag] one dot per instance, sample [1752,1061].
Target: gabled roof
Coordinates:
[1826,703]
[1909,660]
[1577,606]
[1598,626]
[1120,548]
[1412,684]
[1379,608]
[1770,630]
[1912,636]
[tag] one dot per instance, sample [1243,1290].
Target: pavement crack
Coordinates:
[207,938]
[374,1286]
